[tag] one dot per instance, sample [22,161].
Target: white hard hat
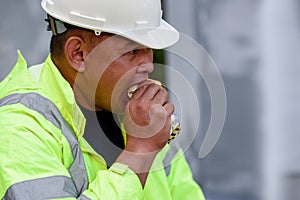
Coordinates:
[138,20]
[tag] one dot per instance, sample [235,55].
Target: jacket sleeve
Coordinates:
[180,180]
[33,163]
[119,182]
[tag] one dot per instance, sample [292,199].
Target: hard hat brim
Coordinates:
[155,38]
[156,34]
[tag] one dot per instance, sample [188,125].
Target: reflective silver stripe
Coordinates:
[46,108]
[44,188]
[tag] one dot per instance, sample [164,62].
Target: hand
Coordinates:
[147,119]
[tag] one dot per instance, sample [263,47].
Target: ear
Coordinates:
[75,51]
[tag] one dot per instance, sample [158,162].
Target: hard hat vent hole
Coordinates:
[97,33]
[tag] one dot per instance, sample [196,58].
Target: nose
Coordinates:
[145,68]
[145,61]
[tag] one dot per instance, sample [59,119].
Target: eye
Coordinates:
[134,51]
[131,53]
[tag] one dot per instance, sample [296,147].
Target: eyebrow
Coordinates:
[131,43]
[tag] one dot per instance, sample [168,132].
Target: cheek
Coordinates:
[112,88]
[111,78]
[119,73]
[106,84]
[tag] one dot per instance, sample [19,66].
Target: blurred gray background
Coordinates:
[255,44]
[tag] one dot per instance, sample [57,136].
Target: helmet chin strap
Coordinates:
[58,27]
[55,25]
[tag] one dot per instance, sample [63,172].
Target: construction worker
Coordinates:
[99,49]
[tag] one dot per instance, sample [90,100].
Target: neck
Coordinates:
[82,100]
[73,78]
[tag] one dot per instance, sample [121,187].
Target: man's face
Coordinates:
[112,67]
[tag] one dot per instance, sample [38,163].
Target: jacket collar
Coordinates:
[59,91]
[46,80]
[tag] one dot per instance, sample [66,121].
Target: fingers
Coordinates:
[150,111]
[151,92]
[169,107]
[161,97]
[138,93]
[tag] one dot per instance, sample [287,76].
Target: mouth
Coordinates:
[132,89]
[135,86]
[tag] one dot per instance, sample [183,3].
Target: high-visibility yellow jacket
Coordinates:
[43,154]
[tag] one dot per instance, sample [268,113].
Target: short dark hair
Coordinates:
[58,41]
[57,44]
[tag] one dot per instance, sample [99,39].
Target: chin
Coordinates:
[119,108]
[119,103]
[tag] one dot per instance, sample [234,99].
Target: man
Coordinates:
[99,49]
